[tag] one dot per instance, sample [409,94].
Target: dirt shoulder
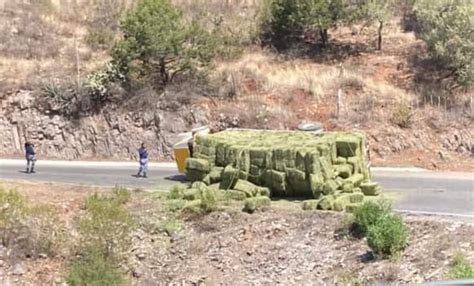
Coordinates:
[280,245]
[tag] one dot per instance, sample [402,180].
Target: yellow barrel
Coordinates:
[181,153]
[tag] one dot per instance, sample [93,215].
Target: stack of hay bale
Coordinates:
[330,168]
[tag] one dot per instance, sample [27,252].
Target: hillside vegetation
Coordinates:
[400,70]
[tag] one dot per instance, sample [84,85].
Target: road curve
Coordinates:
[417,191]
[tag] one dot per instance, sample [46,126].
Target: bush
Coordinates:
[402,115]
[106,225]
[121,195]
[160,46]
[208,200]
[388,236]
[449,41]
[95,269]
[460,268]
[367,215]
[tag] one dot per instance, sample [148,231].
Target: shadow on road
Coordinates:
[177,178]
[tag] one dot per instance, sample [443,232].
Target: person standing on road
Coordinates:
[30,157]
[143,154]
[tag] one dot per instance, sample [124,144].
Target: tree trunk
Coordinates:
[379,42]
[163,72]
[324,37]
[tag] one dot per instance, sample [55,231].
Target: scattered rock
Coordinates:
[19,269]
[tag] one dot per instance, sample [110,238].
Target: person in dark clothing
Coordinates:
[143,154]
[30,156]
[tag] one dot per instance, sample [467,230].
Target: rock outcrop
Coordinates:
[110,134]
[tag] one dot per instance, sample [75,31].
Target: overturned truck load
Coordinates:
[330,168]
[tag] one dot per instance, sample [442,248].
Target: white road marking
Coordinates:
[434,213]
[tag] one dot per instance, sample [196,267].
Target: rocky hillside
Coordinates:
[387,94]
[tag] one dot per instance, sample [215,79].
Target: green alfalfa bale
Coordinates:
[330,187]
[234,195]
[356,197]
[283,157]
[357,190]
[264,191]
[214,187]
[192,194]
[195,175]
[260,157]
[207,180]
[255,203]
[326,169]
[198,185]
[198,164]
[312,164]
[355,179]
[297,182]
[275,181]
[341,202]
[343,171]
[215,175]
[232,154]
[221,148]
[356,164]
[229,178]
[246,187]
[370,188]
[316,185]
[350,208]
[340,182]
[326,203]
[309,205]
[194,206]
[243,160]
[347,187]
[255,175]
[340,161]
[300,161]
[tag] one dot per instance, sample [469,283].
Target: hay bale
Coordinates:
[263,191]
[326,203]
[300,161]
[275,181]
[255,175]
[229,178]
[255,203]
[356,164]
[350,208]
[309,205]
[192,194]
[260,157]
[221,148]
[194,205]
[312,164]
[347,187]
[198,185]
[215,175]
[347,146]
[356,197]
[214,187]
[340,161]
[357,190]
[355,179]
[246,187]
[370,188]
[282,158]
[341,202]
[234,195]
[198,164]
[343,171]
[297,182]
[195,175]
[326,169]
[329,187]
[316,185]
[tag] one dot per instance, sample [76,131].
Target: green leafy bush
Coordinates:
[445,30]
[208,200]
[176,192]
[106,225]
[367,215]
[460,268]
[388,236]
[95,269]
[121,195]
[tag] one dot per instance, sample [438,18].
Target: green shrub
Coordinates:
[460,268]
[388,236]
[402,115]
[95,269]
[176,192]
[208,200]
[121,195]
[14,208]
[367,215]
[106,225]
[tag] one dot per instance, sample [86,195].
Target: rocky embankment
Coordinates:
[108,134]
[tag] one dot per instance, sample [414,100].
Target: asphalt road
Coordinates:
[416,191]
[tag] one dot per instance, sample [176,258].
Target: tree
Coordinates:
[159,45]
[447,28]
[323,15]
[374,11]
